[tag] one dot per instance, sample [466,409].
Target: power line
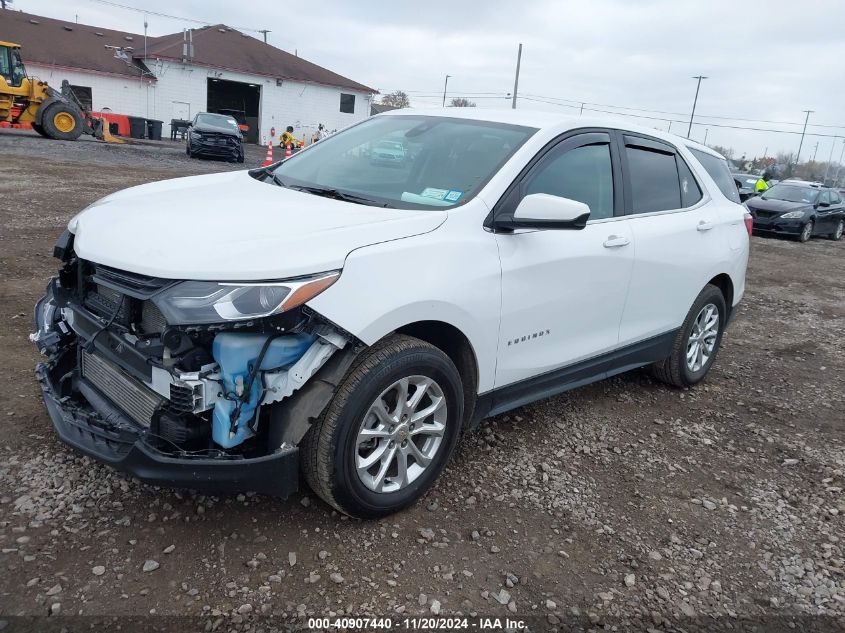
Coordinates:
[576,103]
[166,15]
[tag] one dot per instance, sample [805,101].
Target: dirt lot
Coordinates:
[622,504]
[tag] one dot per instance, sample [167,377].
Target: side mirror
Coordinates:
[544,211]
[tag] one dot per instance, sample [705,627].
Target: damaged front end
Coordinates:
[185,383]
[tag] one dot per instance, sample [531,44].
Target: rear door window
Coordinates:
[653,177]
[717,169]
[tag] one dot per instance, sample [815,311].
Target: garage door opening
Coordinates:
[236,99]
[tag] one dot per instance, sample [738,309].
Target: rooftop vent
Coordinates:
[128,38]
[68,28]
[34,21]
[98,34]
[222,30]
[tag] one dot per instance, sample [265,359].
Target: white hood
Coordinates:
[231,227]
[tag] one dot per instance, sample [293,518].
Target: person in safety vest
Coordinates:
[760,186]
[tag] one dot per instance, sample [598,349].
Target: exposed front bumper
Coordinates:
[85,419]
[224,148]
[114,443]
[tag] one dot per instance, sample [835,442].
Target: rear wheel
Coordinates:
[61,121]
[697,342]
[38,129]
[837,232]
[389,430]
[806,232]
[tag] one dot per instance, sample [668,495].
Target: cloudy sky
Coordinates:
[766,61]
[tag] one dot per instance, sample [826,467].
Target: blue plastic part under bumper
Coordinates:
[119,446]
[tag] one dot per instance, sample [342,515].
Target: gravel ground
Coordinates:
[623,504]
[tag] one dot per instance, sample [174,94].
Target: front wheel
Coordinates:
[837,232]
[806,232]
[62,121]
[388,431]
[697,341]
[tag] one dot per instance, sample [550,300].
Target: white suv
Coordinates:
[349,319]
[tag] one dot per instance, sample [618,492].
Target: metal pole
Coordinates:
[582,109]
[804,131]
[815,151]
[829,159]
[516,78]
[695,101]
[706,130]
[444,89]
[265,32]
[839,167]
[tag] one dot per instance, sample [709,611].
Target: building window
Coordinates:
[347,103]
[83,95]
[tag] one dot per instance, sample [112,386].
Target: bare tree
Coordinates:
[727,152]
[397,99]
[461,102]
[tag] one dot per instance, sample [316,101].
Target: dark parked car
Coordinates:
[798,209]
[215,135]
[746,184]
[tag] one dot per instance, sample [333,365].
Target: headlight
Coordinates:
[197,302]
[792,215]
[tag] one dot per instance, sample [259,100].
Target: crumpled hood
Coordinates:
[231,227]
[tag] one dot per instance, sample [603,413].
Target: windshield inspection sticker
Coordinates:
[437,194]
[453,196]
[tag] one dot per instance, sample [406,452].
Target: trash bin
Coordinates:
[137,127]
[154,129]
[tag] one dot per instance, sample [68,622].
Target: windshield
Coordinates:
[792,193]
[219,120]
[406,161]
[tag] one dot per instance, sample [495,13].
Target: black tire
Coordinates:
[57,111]
[188,150]
[38,129]
[836,235]
[806,232]
[674,370]
[240,157]
[329,448]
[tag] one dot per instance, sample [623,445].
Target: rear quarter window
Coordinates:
[718,170]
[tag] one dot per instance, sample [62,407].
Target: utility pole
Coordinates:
[829,159]
[839,167]
[582,109]
[706,130]
[444,89]
[516,78]
[695,101]
[815,151]
[804,131]
[265,32]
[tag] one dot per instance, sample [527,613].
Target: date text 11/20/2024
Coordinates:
[417,624]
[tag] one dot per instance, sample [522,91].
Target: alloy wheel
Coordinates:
[400,434]
[807,232]
[702,340]
[838,232]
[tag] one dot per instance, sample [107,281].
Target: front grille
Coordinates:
[152,320]
[104,302]
[134,283]
[131,396]
[767,214]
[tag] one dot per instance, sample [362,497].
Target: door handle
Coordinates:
[615,241]
[705,225]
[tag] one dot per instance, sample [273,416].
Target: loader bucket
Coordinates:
[101,130]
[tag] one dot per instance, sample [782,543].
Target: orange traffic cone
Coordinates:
[288,151]
[268,160]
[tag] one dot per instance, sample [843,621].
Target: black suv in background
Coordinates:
[798,209]
[215,135]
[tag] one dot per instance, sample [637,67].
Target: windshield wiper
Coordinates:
[328,192]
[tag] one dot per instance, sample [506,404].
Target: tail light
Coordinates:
[749,223]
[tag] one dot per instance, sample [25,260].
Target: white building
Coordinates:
[176,76]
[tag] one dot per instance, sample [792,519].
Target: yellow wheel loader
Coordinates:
[51,113]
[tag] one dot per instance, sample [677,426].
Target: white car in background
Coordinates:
[351,323]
